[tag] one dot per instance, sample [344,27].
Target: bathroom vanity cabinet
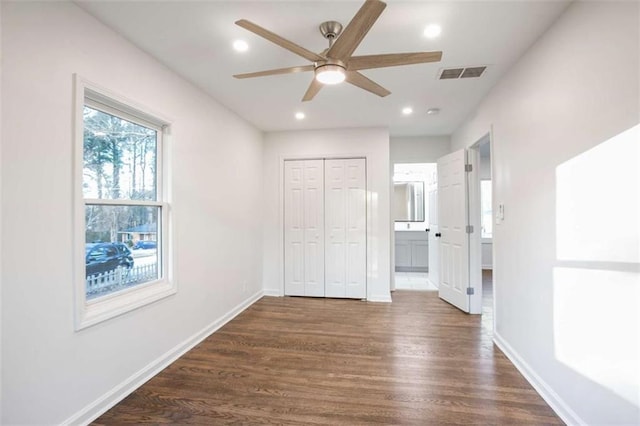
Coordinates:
[412,251]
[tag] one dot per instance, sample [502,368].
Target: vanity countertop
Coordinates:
[411,235]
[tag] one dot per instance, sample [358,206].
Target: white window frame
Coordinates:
[94,311]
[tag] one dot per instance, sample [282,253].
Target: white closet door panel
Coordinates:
[335,265]
[314,228]
[345,266]
[294,228]
[356,229]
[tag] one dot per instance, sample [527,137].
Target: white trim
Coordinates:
[122,110]
[487,267]
[494,281]
[380,298]
[100,94]
[88,313]
[112,305]
[272,292]
[547,393]
[121,391]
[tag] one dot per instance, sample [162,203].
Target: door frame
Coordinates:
[371,269]
[474,219]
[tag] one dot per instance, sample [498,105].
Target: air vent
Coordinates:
[451,73]
[473,72]
[469,72]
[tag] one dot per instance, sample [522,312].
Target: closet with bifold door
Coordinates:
[325,228]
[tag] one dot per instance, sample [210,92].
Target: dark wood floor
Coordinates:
[298,361]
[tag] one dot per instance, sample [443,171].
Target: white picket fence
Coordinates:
[120,278]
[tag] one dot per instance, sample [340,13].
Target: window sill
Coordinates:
[95,311]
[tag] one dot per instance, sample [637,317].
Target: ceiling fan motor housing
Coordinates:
[331,30]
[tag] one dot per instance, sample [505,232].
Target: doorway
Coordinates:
[483,218]
[414,214]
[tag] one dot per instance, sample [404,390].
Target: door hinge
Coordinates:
[468,167]
[469,229]
[470,291]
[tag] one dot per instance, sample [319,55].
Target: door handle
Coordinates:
[438,235]
[427,230]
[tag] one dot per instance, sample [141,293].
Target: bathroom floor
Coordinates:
[414,281]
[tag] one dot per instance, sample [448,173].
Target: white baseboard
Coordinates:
[380,298]
[556,403]
[272,292]
[118,393]
[489,267]
[433,283]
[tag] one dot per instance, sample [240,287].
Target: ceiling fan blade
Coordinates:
[313,90]
[274,38]
[355,31]
[363,82]
[391,60]
[288,70]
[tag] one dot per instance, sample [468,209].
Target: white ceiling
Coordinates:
[195,40]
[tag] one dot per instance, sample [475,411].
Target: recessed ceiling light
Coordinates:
[433,111]
[240,46]
[407,110]
[432,30]
[299,115]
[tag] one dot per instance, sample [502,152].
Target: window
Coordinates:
[487,216]
[121,191]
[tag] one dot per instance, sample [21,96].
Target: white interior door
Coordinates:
[345,201]
[304,228]
[452,223]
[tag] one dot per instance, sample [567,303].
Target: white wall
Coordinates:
[370,142]
[418,149]
[566,258]
[50,372]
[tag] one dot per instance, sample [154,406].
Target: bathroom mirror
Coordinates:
[408,201]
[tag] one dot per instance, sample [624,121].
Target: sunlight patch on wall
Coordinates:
[596,281]
[597,196]
[597,327]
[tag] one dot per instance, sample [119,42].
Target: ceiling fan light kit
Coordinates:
[330,74]
[337,63]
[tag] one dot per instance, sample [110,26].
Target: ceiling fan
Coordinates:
[335,64]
